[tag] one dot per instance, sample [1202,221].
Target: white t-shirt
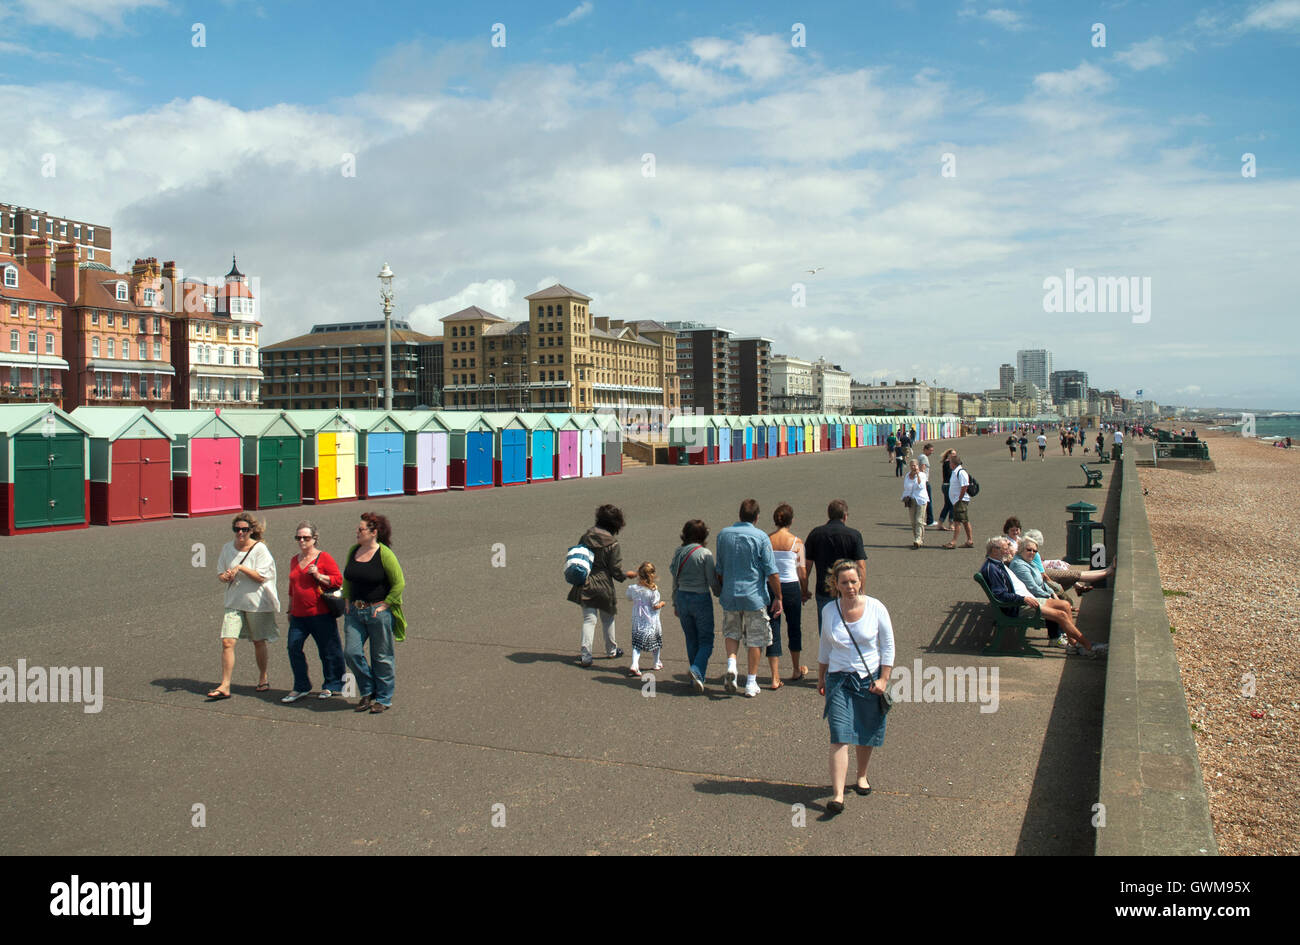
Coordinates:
[874,634]
[1042,441]
[243,593]
[960,479]
[1119,438]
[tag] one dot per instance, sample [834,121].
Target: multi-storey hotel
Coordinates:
[20,227]
[215,340]
[561,359]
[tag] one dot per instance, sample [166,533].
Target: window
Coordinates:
[90,236]
[76,232]
[112,348]
[94,316]
[11,277]
[36,226]
[13,309]
[143,351]
[110,320]
[90,253]
[94,347]
[126,350]
[49,313]
[31,342]
[248,356]
[13,340]
[148,300]
[49,343]
[221,355]
[49,227]
[63,227]
[144,387]
[121,291]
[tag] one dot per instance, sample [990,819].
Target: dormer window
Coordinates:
[148,297]
[121,291]
[11,277]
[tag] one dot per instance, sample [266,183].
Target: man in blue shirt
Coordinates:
[745,563]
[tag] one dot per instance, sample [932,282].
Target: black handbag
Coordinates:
[886,701]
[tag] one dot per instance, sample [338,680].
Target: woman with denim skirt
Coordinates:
[854,663]
[695,585]
[372,587]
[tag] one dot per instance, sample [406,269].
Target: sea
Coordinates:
[1272,427]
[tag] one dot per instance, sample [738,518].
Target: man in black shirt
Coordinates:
[833,542]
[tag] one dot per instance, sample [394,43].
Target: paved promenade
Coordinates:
[490,708]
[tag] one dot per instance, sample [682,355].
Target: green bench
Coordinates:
[1094,475]
[1004,625]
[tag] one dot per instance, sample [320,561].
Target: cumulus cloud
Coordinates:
[81,18]
[577,13]
[1274,15]
[1082,79]
[1144,55]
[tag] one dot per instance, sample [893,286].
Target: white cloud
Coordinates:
[577,13]
[1274,15]
[1144,55]
[82,18]
[494,295]
[1084,78]
[999,16]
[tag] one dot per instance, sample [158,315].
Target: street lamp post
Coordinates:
[386,295]
[295,381]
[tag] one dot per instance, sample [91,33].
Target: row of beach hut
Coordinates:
[110,465]
[701,440]
[113,465]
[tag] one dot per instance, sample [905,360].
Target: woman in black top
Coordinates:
[946,513]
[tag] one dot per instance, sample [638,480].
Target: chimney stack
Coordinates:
[67,269]
[38,261]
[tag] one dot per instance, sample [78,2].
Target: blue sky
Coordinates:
[483,171]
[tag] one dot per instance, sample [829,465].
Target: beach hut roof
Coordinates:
[111,422]
[463,421]
[18,418]
[536,421]
[195,423]
[368,420]
[309,421]
[260,422]
[416,421]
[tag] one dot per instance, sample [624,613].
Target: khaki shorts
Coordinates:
[246,625]
[750,627]
[961,512]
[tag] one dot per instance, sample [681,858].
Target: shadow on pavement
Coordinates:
[968,628]
[809,796]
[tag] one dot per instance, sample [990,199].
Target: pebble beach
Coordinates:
[1226,548]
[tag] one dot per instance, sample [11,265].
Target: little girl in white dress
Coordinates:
[647,634]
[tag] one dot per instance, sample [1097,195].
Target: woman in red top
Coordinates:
[312,574]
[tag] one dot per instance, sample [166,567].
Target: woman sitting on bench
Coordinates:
[1066,575]
[1050,606]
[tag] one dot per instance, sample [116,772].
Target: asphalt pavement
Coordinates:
[498,741]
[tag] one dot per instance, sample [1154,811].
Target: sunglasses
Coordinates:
[303,537]
[238,528]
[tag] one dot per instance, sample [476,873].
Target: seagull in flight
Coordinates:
[814,272]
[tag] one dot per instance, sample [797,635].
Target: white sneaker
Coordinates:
[751,689]
[729,681]
[294,696]
[1061,640]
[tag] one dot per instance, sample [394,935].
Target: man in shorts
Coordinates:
[744,563]
[1042,448]
[958,494]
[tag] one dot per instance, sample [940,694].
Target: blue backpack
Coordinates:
[577,564]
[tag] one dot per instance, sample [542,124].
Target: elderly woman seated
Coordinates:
[1060,575]
[1051,607]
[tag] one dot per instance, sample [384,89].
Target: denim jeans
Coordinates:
[324,629]
[792,613]
[695,611]
[945,515]
[821,603]
[589,617]
[363,624]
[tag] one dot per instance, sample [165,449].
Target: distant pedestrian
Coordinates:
[1118,452]
[959,492]
[827,544]
[247,569]
[1042,448]
[792,573]
[312,572]
[747,574]
[854,663]
[694,587]
[596,596]
[647,632]
[1024,447]
[1069,443]
[1011,446]
[372,586]
[945,515]
[915,497]
[891,442]
[900,454]
[924,459]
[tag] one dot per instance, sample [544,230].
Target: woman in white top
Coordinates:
[916,496]
[854,663]
[247,569]
[792,572]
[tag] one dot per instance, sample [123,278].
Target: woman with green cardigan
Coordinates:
[372,588]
